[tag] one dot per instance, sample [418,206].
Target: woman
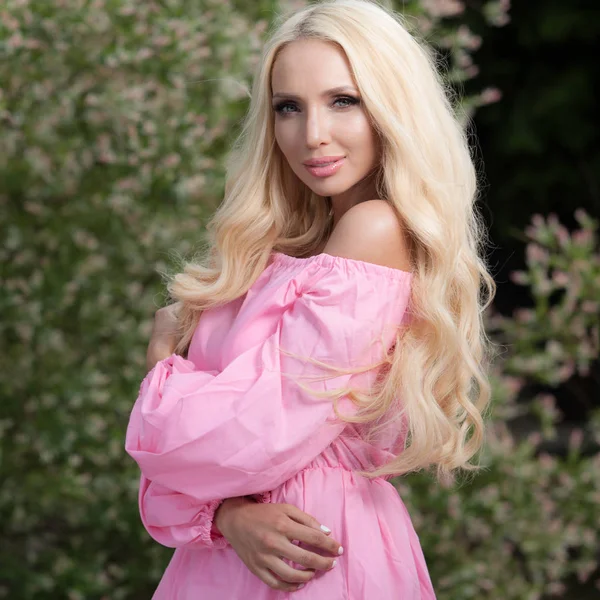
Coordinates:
[333,331]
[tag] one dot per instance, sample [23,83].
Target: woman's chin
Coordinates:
[326,188]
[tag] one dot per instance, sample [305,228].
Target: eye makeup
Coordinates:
[351,101]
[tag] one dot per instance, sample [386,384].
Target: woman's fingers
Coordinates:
[286,573]
[306,558]
[311,531]
[273,582]
[304,518]
[314,538]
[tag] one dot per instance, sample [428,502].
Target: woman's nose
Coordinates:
[317,129]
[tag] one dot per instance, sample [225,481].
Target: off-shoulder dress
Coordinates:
[233,420]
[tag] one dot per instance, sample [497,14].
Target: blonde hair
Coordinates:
[438,364]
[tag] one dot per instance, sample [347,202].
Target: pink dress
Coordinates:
[231,420]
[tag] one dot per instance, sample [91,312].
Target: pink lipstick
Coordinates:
[325,166]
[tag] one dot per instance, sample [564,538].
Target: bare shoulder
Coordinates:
[371,232]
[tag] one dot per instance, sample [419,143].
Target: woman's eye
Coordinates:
[349,101]
[280,107]
[346,101]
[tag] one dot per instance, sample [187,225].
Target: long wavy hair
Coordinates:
[438,365]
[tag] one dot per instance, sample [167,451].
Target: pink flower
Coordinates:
[561,278]
[583,237]
[519,277]
[490,95]
[576,439]
[443,8]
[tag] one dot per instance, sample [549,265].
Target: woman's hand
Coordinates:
[262,534]
[165,335]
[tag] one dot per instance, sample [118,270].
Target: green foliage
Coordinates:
[442,24]
[527,523]
[116,116]
[521,528]
[559,335]
[110,156]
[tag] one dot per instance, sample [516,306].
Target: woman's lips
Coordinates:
[327,169]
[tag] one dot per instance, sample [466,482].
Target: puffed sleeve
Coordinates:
[200,437]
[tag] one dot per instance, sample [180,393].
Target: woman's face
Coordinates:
[318,114]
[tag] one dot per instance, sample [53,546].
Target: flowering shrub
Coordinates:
[116,117]
[559,336]
[520,529]
[113,131]
[527,524]
[439,23]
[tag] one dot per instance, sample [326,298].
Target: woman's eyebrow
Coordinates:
[331,92]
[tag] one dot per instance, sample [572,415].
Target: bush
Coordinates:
[527,524]
[111,155]
[116,116]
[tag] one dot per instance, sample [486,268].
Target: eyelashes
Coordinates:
[350,100]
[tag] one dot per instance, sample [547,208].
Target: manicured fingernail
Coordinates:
[325,529]
[301,586]
[334,563]
[341,550]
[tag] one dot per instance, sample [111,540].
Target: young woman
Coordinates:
[330,338]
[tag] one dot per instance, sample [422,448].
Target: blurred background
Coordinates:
[115,118]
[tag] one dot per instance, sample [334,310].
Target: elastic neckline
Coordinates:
[329,260]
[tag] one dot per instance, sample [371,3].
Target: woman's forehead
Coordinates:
[310,63]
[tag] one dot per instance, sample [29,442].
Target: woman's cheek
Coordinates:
[286,140]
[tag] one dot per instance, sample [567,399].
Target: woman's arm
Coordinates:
[255,424]
[261,534]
